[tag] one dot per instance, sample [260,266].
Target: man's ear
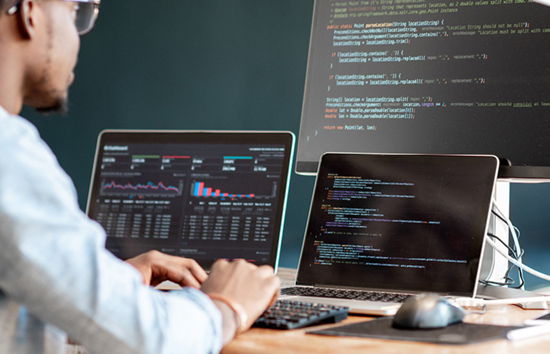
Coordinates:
[27,18]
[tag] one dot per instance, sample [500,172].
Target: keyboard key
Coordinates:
[346,294]
[287,314]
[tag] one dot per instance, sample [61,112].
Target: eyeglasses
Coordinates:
[86,14]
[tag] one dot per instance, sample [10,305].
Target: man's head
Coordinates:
[44,37]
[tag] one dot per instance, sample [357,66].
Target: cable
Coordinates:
[472,312]
[508,281]
[473,302]
[504,243]
[511,227]
[518,263]
[517,254]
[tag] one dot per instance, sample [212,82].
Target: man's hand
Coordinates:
[253,288]
[156,267]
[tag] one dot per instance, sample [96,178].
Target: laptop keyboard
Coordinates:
[346,294]
[295,314]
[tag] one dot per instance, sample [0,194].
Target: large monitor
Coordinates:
[429,76]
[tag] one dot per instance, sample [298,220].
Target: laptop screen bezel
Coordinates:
[321,276]
[283,138]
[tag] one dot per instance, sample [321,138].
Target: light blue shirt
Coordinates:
[56,274]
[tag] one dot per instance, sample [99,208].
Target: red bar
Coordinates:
[217,192]
[251,195]
[201,189]
[226,194]
[208,192]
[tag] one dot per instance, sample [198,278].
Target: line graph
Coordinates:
[113,187]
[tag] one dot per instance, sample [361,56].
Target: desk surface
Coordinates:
[260,340]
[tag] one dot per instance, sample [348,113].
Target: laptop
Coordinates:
[399,224]
[205,195]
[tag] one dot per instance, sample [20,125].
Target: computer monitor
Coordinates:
[429,76]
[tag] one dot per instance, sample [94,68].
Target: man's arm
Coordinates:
[242,284]
[251,288]
[53,261]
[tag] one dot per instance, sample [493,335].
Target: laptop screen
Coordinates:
[201,195]
[398,222]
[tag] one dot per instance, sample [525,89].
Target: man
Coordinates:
[55,275]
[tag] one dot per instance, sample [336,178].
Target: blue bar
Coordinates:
[237,157]
[197,184]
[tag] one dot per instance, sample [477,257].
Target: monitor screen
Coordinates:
[424,76]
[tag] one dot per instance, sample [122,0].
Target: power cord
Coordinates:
[475,302]
[508,281]
[518,252]
[515,252]
[518,263]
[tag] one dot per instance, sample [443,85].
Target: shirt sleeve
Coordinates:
[53,261]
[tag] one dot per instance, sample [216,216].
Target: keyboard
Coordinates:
[346,294]
[287,314]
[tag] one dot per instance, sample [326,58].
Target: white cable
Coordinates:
[471,302]
[518,264]
[512,229]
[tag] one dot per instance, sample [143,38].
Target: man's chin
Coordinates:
[60,106]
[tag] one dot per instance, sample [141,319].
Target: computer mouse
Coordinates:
[428,311]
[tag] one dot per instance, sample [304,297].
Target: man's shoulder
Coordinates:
[20,142]
[15,125]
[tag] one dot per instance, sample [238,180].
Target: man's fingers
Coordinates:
[275,297]
[188,279]
[266,270]
[197,271]
[184,271]
[191,273]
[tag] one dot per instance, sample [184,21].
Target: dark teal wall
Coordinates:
[530,209]
[233,64]
[237,64]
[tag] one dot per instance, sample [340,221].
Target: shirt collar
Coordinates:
[3,111]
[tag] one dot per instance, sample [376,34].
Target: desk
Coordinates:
[260,340]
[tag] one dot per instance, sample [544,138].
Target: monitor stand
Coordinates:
[497,292]
[493,265]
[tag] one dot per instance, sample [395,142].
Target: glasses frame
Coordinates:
[12,10]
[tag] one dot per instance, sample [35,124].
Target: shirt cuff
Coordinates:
[210,309]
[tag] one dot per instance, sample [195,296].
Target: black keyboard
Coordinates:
[346,294]
[294,314]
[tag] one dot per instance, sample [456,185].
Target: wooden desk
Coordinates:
[260,340]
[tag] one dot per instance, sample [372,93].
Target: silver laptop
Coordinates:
[397,224]
[204,195]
